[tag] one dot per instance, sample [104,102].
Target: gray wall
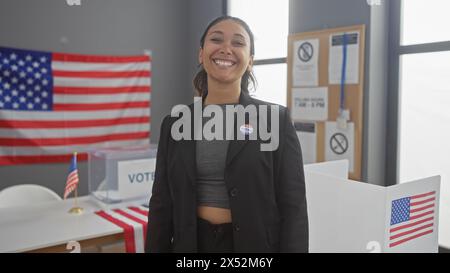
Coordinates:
[201,12]
[310,15]
[101,27]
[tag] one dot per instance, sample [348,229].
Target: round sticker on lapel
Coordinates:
[246,129]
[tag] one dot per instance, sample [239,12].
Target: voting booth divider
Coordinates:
[350,216]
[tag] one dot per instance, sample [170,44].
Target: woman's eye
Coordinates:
[216,40]
[237,43]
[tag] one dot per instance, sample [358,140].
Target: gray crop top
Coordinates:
[210,159]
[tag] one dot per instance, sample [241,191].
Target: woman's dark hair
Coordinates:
[201,78]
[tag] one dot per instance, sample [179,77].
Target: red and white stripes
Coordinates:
[71,183]
[133,221]
[420,223]
[98,102]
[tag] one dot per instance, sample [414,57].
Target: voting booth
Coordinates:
[119,175]
[350,216]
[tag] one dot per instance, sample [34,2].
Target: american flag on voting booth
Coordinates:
[412,217]
[54,103]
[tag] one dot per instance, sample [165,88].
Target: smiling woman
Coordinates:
[226,59]
[233,194]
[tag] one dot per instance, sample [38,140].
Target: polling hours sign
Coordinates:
[310,103]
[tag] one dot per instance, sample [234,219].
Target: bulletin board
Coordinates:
[320,80]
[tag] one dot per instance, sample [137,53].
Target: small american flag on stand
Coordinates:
[412,217]
[72,177]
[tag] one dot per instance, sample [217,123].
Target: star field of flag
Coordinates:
[400,210]
[26,80]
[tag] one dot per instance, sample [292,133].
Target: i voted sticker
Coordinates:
[246,129]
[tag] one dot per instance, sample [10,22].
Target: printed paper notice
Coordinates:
[305,70]
[306,133]
[340,143]
[336,58]
[310,103]
[136,177]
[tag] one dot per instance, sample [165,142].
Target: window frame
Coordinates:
[269,61]
[396,50]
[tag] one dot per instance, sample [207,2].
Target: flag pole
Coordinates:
[76,197]
[76,209]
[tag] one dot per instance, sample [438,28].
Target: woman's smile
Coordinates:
[223,63]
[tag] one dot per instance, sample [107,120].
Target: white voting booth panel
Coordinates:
[338,168]
[350,216]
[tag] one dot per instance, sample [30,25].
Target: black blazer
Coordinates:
[266,189]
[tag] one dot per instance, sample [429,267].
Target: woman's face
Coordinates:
[226,52]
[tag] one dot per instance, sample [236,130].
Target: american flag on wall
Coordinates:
[52,104]
[412,217]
